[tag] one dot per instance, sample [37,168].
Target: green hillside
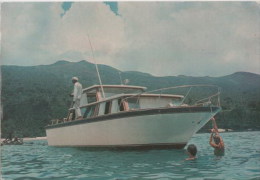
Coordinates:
[32,96]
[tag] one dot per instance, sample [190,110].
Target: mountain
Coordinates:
[33,95]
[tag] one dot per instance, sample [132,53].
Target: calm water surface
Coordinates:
[36,160]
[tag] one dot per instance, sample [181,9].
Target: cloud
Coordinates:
[161,38]
[36,33]
[26,31]
[195,39]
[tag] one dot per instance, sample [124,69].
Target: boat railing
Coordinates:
[205,101]
[213,99]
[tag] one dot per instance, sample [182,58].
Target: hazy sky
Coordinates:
[160,38]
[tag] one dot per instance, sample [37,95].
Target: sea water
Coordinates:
[37,160]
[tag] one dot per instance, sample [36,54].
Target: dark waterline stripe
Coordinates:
[142,112]
[130,146]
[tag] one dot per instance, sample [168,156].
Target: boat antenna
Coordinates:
[120,77]
[100,82]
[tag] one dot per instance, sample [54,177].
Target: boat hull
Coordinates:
[165,127]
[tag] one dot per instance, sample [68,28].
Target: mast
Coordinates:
[100,82]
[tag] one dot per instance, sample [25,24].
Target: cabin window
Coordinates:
[91,97]
[96,109]
[133,103]
[90,111]
[107,107]
[83,100]
[176,101]
[83,110]
[109,94]
[101,110]
[115,107]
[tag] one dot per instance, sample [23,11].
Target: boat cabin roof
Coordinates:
[163,95]
[115,89]
[126,96]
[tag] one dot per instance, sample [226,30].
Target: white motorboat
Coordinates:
[128,116]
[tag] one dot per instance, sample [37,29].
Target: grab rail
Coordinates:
[184,86]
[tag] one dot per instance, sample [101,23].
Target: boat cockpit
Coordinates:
[105,100]
[119,98]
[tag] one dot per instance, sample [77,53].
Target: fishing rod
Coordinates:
[100,82]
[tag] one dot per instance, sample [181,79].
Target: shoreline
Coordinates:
[34,139]
[31,139]
[199,132]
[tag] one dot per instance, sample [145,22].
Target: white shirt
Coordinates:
[77,91]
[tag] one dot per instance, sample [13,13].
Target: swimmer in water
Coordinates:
[216,140]
[192,151]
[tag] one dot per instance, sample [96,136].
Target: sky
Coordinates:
[160,38]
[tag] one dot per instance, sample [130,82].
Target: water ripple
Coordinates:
[36,160]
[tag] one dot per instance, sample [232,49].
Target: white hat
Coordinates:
[75,78]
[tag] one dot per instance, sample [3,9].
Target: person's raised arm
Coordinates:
[215,125]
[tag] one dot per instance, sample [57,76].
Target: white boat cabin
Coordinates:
[120,98]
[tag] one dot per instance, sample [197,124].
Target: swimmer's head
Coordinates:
[216,139]
[192,149]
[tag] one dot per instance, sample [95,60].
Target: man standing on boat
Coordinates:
[77,92]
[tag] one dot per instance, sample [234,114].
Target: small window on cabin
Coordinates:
[83,110]
[133,103]
[109,94]
[101,110]
[107,107]
[114,106]
[84,99]
[176,101]
[90,111]
[91,98]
